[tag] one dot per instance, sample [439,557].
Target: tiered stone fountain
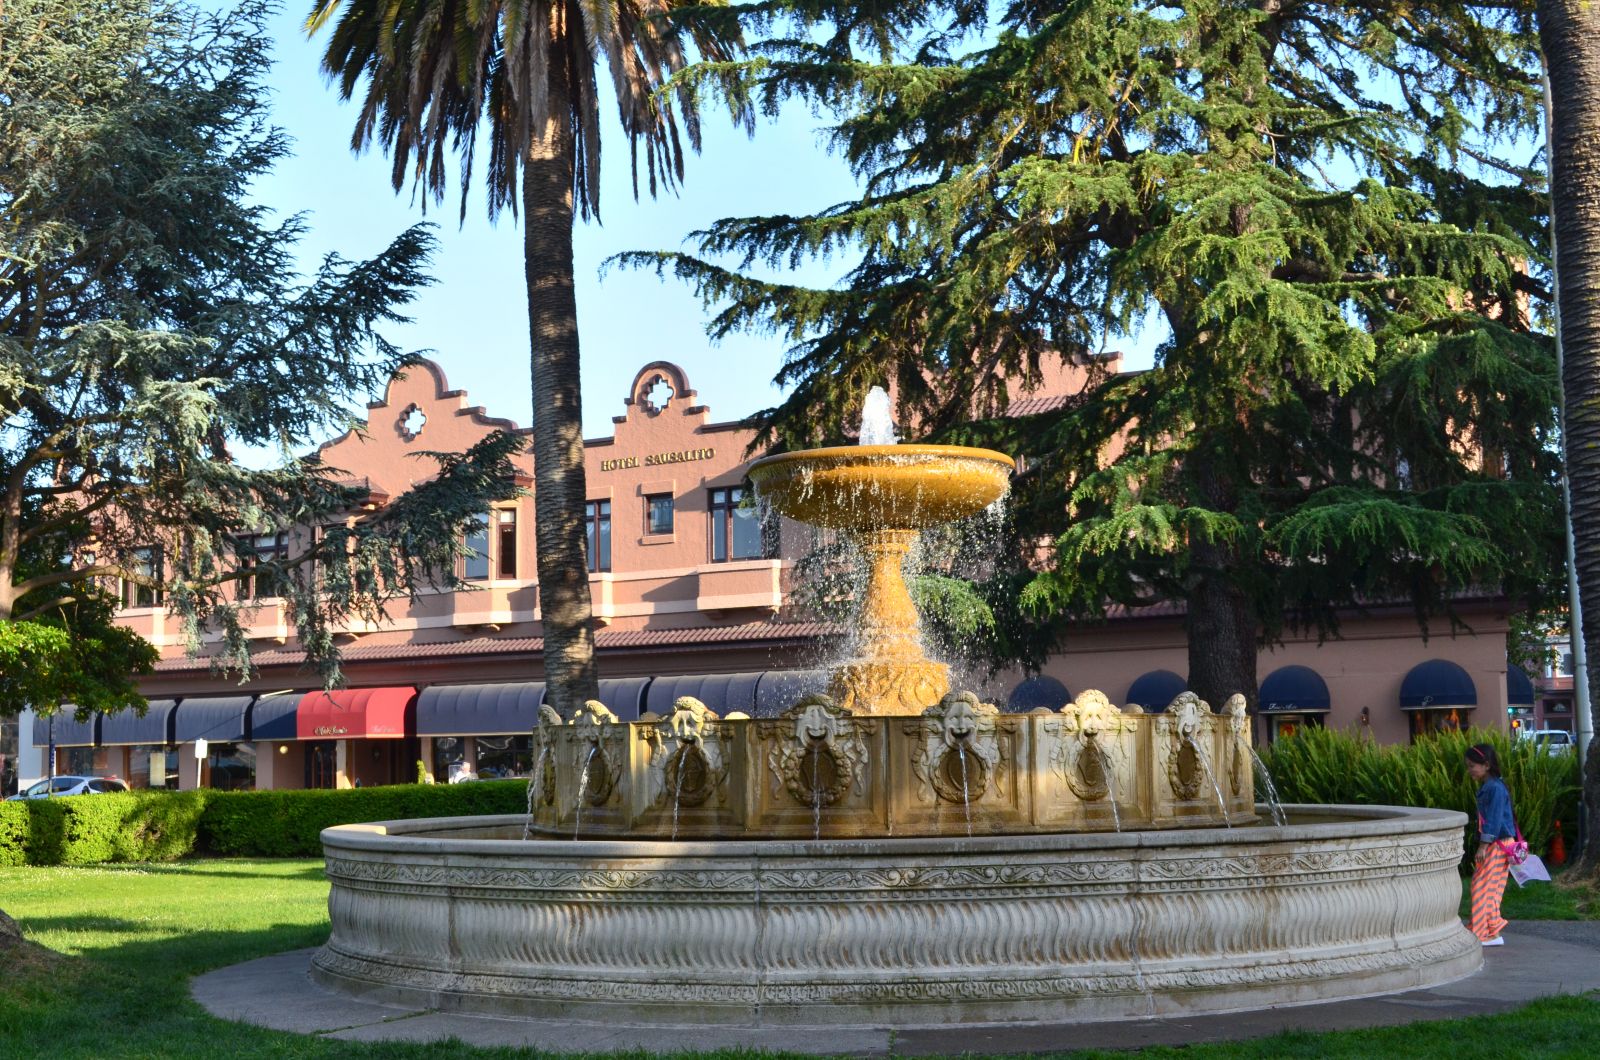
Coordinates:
[894,852]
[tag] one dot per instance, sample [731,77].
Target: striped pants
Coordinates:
[1488,884]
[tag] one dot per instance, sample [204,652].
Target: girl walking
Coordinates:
[1497,828]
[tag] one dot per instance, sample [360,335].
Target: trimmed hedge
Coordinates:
[1329,766]
[164,825]
[286,824]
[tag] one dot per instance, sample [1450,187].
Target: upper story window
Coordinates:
[597,525]
[144,563]
[735,527]
[658,513]
[475,564]
[255,551]
[505,542]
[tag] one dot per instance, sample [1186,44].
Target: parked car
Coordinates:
[70,785]
[1554,741]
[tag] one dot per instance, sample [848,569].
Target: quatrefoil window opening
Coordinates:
[412,421]
[656,393]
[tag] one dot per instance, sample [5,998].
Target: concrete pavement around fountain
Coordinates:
[1540,959]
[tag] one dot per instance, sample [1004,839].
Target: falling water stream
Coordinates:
[677,791]
[816,792]
[583,783]
[966,801]
[535,789]
[1222,803]
[1111,784]
[1279,818]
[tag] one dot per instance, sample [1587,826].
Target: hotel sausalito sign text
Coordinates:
[681,456]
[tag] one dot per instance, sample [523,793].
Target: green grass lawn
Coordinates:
[126,939]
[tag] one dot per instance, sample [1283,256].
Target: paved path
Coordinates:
[1540,958]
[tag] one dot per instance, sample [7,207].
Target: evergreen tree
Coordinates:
[150,323]
[1351,403]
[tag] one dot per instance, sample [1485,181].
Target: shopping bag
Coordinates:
[1531,870]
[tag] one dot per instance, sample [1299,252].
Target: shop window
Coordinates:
[475,564]
[231,766]
[658,513]
[597,527]
[81,761]
[257,553]
[736,531]
[505,542]
[153,766]
[449,758]
[145,565]
[322,763]
[505,756]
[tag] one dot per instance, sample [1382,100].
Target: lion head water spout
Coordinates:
[883,496]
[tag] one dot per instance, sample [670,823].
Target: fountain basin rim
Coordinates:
[432,835]
[868,455]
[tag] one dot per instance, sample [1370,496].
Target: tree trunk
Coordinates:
[1220,622]
[560,489]
[1568,32]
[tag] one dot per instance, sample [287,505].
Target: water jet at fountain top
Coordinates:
[884,495]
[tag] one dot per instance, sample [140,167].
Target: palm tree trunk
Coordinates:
[1568,30]
[560,489]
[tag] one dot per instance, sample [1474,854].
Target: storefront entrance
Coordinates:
[322,763]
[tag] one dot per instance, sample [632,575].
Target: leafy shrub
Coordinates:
[282,824]
[1329,766]
[163,825]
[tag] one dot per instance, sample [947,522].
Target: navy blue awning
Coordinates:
[624,696]
[1295,690]
[272,716]
[1519,690]
[1156,690]
[215,719]
[1040,690]
[778,690]
[479,710]
[127,728]
[69,731]
[1437,684]
[721,693]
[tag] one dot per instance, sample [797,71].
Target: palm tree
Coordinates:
[1568,30]
[436,69]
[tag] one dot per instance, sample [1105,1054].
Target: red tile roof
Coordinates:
[605,640]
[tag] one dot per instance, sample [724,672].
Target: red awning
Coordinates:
[356,713]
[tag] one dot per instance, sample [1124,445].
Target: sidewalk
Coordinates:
[1541,958]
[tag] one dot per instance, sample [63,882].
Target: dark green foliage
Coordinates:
[162,825]
[152,322]
[1315,203]
[1318,765]
[284,824]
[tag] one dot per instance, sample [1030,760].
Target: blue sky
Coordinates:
[474,317]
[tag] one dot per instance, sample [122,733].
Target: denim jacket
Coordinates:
[1495,820]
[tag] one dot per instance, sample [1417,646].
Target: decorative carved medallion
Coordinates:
[826,756]
[687,758]
[1085,750]
[1179,734]
[959,756]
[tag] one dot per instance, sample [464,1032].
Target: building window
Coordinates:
[475,564]
[598,526]
[256,551]
[735,527]
[658,513]
[505,756]
[145,563]
[505,530]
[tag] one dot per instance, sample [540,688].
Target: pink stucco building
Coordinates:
[689,597]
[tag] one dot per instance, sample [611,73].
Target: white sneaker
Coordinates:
[1498,940]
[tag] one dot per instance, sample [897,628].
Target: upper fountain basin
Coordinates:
[865,487]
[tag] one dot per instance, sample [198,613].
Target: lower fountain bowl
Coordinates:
[460,914]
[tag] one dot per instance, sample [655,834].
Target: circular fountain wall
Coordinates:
[460,914]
